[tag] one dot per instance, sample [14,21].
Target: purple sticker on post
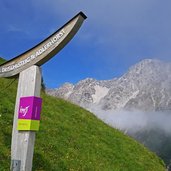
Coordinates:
[30,108]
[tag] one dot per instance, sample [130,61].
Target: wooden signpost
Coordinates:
[23,141]
[28,101]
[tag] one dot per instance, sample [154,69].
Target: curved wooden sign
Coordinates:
[45,50]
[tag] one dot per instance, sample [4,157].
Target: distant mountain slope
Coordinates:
[146,87]
[138,103]
[71,138]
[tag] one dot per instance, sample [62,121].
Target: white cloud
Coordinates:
[135,121]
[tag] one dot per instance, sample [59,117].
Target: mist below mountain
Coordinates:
[138,103]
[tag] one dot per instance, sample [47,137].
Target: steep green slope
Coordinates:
[71,138]
[2,60]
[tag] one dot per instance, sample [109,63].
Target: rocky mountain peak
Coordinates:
[146,86]
[138,103]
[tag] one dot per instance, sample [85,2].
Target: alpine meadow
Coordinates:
[71,138]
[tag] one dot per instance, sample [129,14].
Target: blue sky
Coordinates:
[116,35]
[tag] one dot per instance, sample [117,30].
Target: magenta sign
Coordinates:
[30,108]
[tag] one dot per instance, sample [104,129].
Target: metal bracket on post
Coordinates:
[15,165]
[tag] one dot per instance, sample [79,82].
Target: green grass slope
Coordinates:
[72,139]
[2,60]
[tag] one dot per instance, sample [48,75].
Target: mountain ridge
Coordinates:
[71,138]
[149,79]
[138,103]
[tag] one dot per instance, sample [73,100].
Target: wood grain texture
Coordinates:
[22,146]
[45,50]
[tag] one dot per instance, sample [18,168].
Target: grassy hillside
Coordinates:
[2,60]
[71,138]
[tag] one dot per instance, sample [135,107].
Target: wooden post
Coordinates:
[22,146]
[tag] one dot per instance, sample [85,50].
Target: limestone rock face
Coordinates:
[146,87]
[138,103]
[62,92]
